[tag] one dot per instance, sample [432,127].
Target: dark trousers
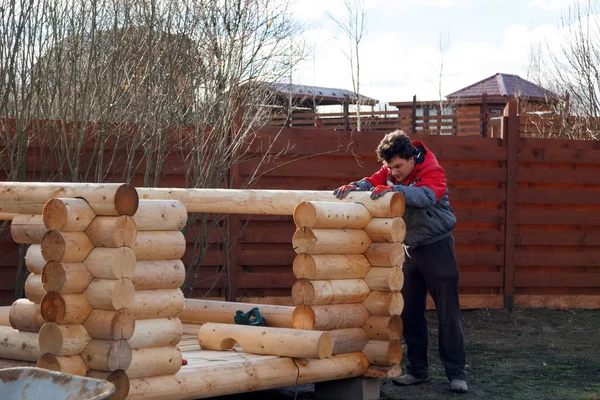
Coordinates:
[433,268]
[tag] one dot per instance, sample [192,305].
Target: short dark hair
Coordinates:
[396,143]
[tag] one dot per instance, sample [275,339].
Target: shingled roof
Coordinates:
[504,85]
[320,95]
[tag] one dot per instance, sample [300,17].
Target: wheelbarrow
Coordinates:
[38,383]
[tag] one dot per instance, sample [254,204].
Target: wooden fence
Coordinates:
[528,213]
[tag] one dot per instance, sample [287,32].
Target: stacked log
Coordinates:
[88,271]
[158,276]
[349,271]
[330,241]
[385,302]
[65,277]
[22,321]
[29,333]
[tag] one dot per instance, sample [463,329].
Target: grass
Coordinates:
[526,354]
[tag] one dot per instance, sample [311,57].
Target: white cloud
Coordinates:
[556,6]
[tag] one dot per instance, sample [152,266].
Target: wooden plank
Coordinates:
[549,155]
[558,301]
[551,278]
[250,280]
[559,143]
[474,173]
[479,237]
[584,176]
[491,215]
[559,196]
[471,256]
[481,279]
[477,195]
[557,217]
[267,257]
[474,301]
[548,258]
[557,238]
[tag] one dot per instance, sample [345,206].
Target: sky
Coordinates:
[401,51]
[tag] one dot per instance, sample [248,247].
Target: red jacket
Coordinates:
[428,215]
[427,173]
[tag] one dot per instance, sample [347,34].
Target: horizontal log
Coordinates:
[385,279]
[67,215]
[383,352]
[384,328]
[283,342]
[159,245]
[160,215]
[385,254]
[112,231]
[19,345]
[156,361]
[27,228]
[25,316]
[162,303]
[319,267]
[104,198]
[63,340]
[383,371]
[159,274]
[68,247]
[65,309]
[348,340]
[325,318]
[265,374]
[110,325]
[156,332]
[65,278]
[34,260]
[118,378]
[68,364]
[331,215]
[110,294]
[277,202]
[34,290]
[384,303]
[341,291]
[107,355]
[386,230]
[330,241]
[202,311]
[106,263]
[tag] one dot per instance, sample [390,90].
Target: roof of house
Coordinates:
[505,85]
[319,95]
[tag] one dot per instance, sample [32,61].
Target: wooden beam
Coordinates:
[276,202]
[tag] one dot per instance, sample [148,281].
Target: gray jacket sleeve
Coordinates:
[419,197]
[364,185]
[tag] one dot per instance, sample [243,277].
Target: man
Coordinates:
[413,170]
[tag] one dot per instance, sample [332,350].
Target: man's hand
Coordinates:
[343,191]
[380,190]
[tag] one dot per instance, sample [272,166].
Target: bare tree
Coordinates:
[352,24]
[571,67]
[133,91]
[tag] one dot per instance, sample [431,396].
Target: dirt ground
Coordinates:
[524,354]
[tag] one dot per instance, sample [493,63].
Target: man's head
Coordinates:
[397,152]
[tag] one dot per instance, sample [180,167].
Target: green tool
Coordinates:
[252,317]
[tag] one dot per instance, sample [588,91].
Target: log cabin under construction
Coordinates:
[104,298]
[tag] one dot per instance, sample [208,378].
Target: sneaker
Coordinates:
[458,386]
[408,379]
